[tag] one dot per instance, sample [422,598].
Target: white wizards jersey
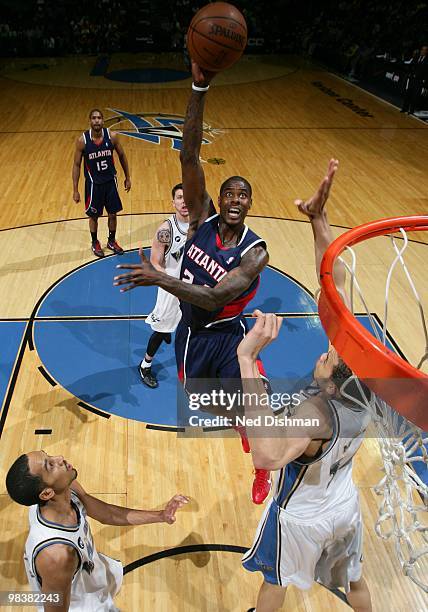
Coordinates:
[313,487]
[97,579]
[174,253]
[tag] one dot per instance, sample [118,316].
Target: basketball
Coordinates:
[217,36]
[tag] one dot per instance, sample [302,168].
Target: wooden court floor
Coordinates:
[279,131]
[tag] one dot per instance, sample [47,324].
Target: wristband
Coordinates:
[197,88]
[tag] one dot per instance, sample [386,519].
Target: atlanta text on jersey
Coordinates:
[102,153]
[205,261]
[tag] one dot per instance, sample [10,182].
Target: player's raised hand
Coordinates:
[76,196]
[141,275]
[201,76]
[264,331]
[315,205]
[168,513]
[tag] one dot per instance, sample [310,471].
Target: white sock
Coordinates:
[146,364]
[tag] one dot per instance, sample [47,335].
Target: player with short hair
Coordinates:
[312,528]
[166,255]
[96,146]
[60,555]
[220,273]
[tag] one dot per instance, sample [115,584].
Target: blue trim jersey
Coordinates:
[99,161]
[97,578]
[308,487]
[312,528]
[206,262]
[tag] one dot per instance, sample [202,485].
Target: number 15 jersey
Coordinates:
[99,161]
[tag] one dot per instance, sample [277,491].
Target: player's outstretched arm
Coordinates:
[122,158]
[109,514]
[209,298]
[56,566]
[271,448]
[77,161]
[197,199]
[315,209]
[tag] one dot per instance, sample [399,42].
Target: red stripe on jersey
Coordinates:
[180,373]
[87,169]
[219,244]
[237,306]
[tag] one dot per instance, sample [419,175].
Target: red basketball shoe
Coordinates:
[115,247]
[96,249]
[261,485]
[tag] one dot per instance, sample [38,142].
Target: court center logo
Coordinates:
[152,127]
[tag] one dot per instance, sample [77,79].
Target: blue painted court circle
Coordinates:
[91,338]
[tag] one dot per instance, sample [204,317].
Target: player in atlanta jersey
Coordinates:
[220,272]
[60,555]
[166,255]
[312,529]
[96,146]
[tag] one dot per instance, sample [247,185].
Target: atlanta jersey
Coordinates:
[99,161]
[206,262]
[97,579]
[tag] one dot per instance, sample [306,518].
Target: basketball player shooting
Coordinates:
[312,528]
[220,273]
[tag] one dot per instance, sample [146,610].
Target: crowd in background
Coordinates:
[30,28]
[353,37]
[34,28]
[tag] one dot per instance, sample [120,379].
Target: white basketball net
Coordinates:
[403,511]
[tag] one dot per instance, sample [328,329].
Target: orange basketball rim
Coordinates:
[399,384]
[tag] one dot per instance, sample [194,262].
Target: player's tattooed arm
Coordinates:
[197,200]
[240,278]
[208,298]
[160,245]
[164,236]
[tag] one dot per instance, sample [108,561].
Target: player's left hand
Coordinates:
[127,184]
[315,205]
[168,513]
[264,331]
[142,275]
